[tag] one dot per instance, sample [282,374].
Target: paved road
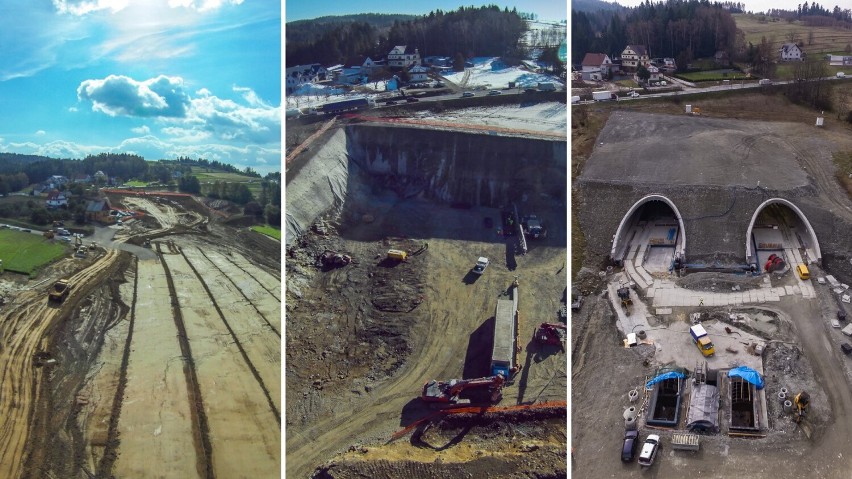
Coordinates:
[734,85]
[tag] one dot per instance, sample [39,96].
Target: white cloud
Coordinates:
[261,159]
[202,5]
[120,95]
[72,109]
[141,130]
[40,133]
[188,119]
[83,7]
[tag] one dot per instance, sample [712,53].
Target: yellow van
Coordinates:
[803,272]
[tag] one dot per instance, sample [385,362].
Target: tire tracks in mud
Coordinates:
[233,334]
[110,452]
[26,329]
[201,428]
[223,274]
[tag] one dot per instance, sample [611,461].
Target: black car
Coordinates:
[631,443]
[411,99]
[390,102]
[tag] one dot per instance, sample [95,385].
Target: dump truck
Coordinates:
[702,340]
[59,291]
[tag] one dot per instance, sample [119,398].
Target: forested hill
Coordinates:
[306,31]
[594,6]
[468,31]
[683,30]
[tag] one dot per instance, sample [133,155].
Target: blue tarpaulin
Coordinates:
[663,377]
[748,374]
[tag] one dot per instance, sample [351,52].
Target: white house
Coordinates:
[790,52]
[301,74]
[654,71]
[634,55]
[403,56]
[418,73]
[597,62]
[55,199]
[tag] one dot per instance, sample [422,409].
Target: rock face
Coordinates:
[710,170]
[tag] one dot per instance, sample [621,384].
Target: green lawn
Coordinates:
[711,76]
[268,231]
[628,83]
[136,183]
[26,252]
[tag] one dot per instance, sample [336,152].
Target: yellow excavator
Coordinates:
[801,403]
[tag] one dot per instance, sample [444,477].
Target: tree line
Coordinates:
[679,29]
[486,31]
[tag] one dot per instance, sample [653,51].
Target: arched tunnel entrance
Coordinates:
[779,227]
[651,235]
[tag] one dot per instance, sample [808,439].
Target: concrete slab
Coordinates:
[629,151]
[650,292]
[663,311]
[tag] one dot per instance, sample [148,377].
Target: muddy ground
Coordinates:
[121,379]
[804,355]
[362,339]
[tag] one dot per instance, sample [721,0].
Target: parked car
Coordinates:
[480,265]
[439,84]
[631,443]
[467,94]
[633,94]
[411,99]
[390,102]
[649,450]
[495,92]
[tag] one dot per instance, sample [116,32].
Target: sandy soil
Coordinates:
[148,379]
[445,336]
[155,415]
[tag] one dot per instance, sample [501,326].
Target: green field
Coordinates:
[711,76]
[210,175]
[825,40]
[26,252]
[784,71]
[268,231]
[136,183]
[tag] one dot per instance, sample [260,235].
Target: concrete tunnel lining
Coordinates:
[795,209]
[680,249]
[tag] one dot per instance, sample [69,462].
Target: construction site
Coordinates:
[151,351]
[426,306]
[715,287]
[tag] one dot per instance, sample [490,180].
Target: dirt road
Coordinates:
[445,347]
[24,326]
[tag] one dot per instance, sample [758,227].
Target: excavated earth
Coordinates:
[163,361]
[363,338]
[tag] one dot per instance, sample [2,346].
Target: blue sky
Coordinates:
[158,78]
[302,9]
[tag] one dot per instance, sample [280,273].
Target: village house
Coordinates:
[633,56]
[418,74]
[300,74]
[56,199]
[98,210]
[596,66]
[790,52]
[403,56]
